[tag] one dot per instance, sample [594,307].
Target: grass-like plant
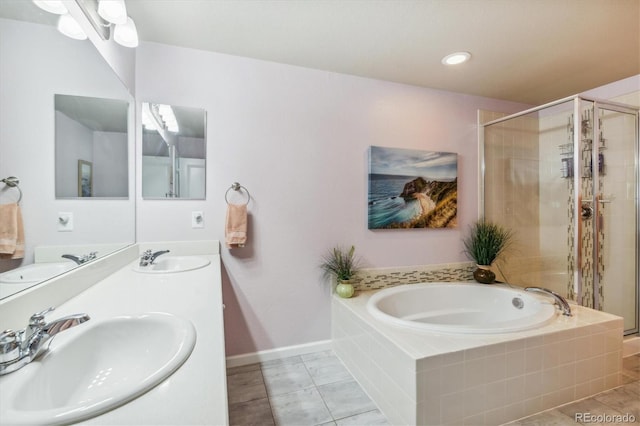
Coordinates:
[340,263]
[486,241]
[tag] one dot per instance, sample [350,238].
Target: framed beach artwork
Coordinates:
[412,189]
[85,178]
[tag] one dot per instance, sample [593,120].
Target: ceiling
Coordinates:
[530,51]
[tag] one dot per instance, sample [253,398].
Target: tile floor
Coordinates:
[615,402]
[316,389]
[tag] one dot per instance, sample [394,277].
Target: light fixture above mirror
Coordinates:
[52,6]
[108,17]
[114,11]
[68,26]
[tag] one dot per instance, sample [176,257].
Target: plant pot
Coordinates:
[344,289]
[483,274]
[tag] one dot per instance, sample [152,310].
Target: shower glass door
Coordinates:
[610,195]
[564,178]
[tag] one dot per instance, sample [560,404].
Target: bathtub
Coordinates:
[489,377]
[460,308]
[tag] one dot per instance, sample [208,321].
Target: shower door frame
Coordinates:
[596,104]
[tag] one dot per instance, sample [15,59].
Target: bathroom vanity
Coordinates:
[147,316]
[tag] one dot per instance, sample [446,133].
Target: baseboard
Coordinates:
[278,353]
[631,346]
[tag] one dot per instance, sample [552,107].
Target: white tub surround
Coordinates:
[196,392]
[431,378]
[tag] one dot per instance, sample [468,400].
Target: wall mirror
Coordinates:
[91,147]
[173,152]
[37,63]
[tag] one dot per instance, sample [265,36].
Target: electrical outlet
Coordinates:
[197,220]
[65,221]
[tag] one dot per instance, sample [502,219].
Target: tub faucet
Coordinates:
[18,349]
[82,259]
[148,257]
[560,301]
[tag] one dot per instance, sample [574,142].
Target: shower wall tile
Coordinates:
[511,191]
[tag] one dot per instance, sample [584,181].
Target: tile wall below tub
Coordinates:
[482,386]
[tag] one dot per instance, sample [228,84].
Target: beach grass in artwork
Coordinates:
[412,189]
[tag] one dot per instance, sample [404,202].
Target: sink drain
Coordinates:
[517,302]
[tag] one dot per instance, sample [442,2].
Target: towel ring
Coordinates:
[12,182]
[237,187]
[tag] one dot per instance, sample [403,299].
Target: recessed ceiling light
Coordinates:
[456,58]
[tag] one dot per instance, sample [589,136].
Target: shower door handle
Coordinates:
[600,201]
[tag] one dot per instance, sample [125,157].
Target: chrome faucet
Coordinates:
[18,349]
[82,259]
[148,257]
[559,300]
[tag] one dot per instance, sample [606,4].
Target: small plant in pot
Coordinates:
[486,242]
[343,265]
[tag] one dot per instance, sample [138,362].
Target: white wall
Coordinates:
[297,139]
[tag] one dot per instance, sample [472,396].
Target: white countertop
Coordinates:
[196,393]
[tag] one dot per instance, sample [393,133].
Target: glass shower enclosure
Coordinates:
[564,178]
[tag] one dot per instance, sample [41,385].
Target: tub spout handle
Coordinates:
[559,300]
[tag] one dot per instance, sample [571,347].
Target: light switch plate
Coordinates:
[197,220]
[65,221]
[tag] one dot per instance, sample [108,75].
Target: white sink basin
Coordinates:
[103,366]
[35,272]
[169,264]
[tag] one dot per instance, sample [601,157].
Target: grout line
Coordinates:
[318,390]
[266,390]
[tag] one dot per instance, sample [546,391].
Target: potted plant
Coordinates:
[485,242]
[341,264]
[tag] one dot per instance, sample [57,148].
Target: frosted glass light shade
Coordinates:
[114,11]
[51,6]
[70,27]
[126,34]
